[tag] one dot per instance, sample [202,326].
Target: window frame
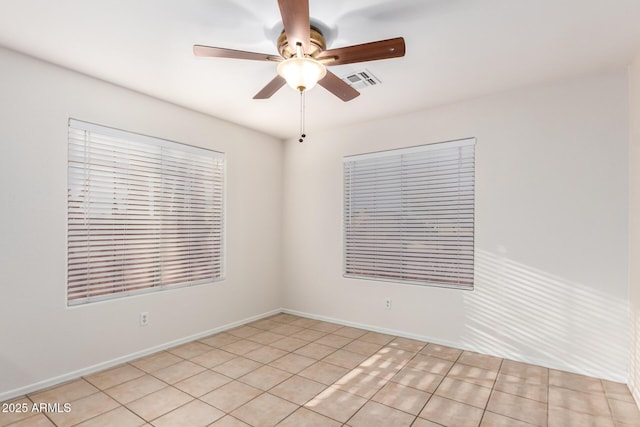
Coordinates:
[432,147]
[212,211]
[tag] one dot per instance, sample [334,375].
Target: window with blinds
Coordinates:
[409,215]
[144,214]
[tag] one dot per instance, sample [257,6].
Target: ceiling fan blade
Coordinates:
[339,88]
[383,49]
[271,88]
[219,52]
[295,19]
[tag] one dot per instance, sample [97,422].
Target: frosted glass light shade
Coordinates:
[301,73]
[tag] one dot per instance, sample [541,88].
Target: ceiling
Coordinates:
[456,50]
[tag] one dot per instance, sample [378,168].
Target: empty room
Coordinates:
[320,213]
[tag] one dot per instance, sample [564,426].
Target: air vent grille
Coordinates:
[361,79]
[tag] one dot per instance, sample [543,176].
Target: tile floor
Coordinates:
[292,371]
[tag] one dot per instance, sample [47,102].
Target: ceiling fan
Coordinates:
[304,55]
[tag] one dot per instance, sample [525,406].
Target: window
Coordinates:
[409,213]
[143,214]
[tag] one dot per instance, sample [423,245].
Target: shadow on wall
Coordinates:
[523,313]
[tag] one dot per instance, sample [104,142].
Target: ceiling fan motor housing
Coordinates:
[317,44]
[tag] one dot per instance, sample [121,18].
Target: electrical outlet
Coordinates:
[387,304]
[144,318]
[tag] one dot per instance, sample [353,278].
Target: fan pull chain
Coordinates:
[302,134]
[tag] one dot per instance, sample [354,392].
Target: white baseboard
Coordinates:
[21,391]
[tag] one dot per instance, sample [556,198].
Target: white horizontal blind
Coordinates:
[143,214]
[409,214]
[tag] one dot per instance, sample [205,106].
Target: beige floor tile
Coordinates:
[489,419]
[298,389]
[451,413]
[624,412]
[575,381]
[156,361]
[527,410]
[265,324]
[560,417]
[135,389]
[244,331]
[588,403]
[178,372]
[617,391]
[231,396]
[114,376]
[202,383]
[220,340]
[241,347]
[121,417]
[324,373]
[265,337]
[349,332]
[325,327]
[464,392]
[531,373]
[265,354]
[407,344]
[345,359]
[360,384]
[333,340]
[35,420]
[65,393]
[265,377]
[193,414]
[381,366]
[520,387]
[306,418]
[229,421]
[473,374]
[401,397]
[293,363]
[478,360]
[362,347]
[264,410]
[377,338]
[315,351]
[336,404]
[309,335]
[17,409]
[441,351]
[374,414]
[396,355]
[430,364]
[213,358]
[304,322]
[289,344]
[84,409]
[286,330]
[190,349]
[411,377]
[421,422]
[284,317]
[159,403]
[235,368]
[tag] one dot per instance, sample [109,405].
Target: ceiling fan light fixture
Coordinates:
[301,73]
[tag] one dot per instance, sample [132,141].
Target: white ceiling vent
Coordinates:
[361,79]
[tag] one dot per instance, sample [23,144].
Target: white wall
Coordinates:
[551,227]
[43,341]
[634,226]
